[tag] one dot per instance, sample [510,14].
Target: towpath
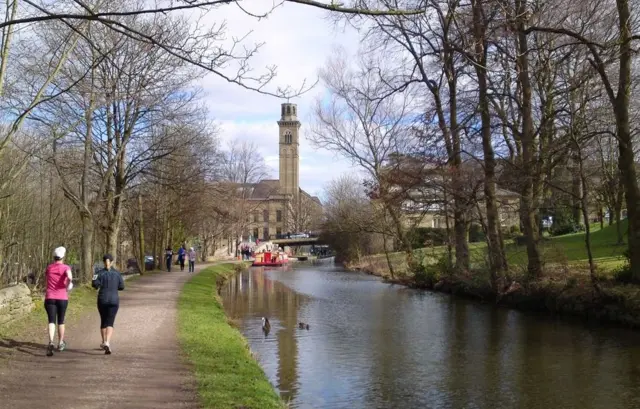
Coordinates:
[144,371]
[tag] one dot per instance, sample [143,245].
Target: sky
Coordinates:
[298,39]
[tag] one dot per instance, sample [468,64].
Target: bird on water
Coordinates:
[266,326]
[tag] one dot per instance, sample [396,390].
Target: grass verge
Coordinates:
[562,251]
[228,376]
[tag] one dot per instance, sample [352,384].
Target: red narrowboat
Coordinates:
[269,259]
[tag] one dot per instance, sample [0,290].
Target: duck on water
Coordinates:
[266,325]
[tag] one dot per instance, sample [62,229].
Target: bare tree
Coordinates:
[305,216]
[430,40]
[351,223]
[116,123]
[242,167]
[366,123]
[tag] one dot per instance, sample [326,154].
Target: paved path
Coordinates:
[144,371]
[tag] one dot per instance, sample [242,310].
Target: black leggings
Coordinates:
[107,314]
[56,309]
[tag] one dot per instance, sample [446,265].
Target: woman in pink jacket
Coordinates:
[56,300]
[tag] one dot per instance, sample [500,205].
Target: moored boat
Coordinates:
[269,259]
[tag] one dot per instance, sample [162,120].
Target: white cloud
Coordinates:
[298,39]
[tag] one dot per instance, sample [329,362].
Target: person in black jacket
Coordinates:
[108,281]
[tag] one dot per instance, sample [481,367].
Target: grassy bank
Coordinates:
[564,288]
[558,252]
[228,376]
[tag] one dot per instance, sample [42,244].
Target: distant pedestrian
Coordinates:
[182,253]
[168,254]
[192,260]
[56,300]
[108,281]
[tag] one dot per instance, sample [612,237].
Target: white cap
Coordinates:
[191,248]
[59,252]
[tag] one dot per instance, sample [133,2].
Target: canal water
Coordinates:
[374,345]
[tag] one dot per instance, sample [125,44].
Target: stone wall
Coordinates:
[15,302]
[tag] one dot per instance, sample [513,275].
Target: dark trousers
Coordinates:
[56,309]
[181,262]
[168,264]
[192,266]
[107,314]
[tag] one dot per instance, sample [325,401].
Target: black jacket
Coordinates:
[108,283]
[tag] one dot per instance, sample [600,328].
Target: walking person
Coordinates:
[182,253]
[56,300]
[192,260]
[168,254]
[109,282]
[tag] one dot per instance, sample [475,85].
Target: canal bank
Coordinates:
[564,294]
[227,374]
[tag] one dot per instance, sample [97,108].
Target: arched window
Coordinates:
[288,138]
[288,109]
[283,110]
[294,111]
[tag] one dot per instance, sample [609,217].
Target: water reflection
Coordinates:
[373,345]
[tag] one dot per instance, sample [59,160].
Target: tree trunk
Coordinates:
[86,244]
[113,231]
[617,213]
[459,202]
[576,191]
[528,208]
[386,255]
[626,160]
[447,224]
[497,258]
[140,236]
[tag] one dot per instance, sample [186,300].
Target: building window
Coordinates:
[255,233]
[265,215]
[278,215]
[288,109]
[288,138]
[266,233]
[278,232]
[294,110]
[283,110]
[256,216]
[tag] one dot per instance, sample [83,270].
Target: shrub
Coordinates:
[476,234]
[623,274]
[425,275]
[520,240]
[427,236]
[511,232]
[567,227]
[240,267]
[564,223]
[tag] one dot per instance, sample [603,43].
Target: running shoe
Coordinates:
[50,349]
[107,349]
[62,346]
